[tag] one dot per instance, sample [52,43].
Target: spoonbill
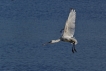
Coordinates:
[68,31]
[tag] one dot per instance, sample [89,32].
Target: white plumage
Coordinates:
[70,25]
[68,32]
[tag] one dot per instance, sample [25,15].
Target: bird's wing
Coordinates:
[70,25]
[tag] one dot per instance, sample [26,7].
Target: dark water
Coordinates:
[26,24]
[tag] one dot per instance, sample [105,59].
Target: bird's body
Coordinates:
[69,29]
[71,40]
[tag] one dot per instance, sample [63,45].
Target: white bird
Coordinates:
[68,31]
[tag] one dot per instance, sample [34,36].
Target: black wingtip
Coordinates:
[72,9]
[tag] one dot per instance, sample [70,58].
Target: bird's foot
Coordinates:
[74,50]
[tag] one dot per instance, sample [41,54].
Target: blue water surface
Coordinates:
[26,24]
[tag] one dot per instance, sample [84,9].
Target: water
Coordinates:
[26,25]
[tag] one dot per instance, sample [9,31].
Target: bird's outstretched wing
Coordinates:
[70,25]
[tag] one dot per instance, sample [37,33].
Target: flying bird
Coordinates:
[68,31]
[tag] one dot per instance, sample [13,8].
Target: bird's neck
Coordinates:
[54,41]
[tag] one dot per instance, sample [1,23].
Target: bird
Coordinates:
[68,31]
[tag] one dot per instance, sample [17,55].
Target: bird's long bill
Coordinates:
[45,43]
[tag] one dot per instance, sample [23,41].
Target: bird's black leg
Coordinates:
[73,48]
